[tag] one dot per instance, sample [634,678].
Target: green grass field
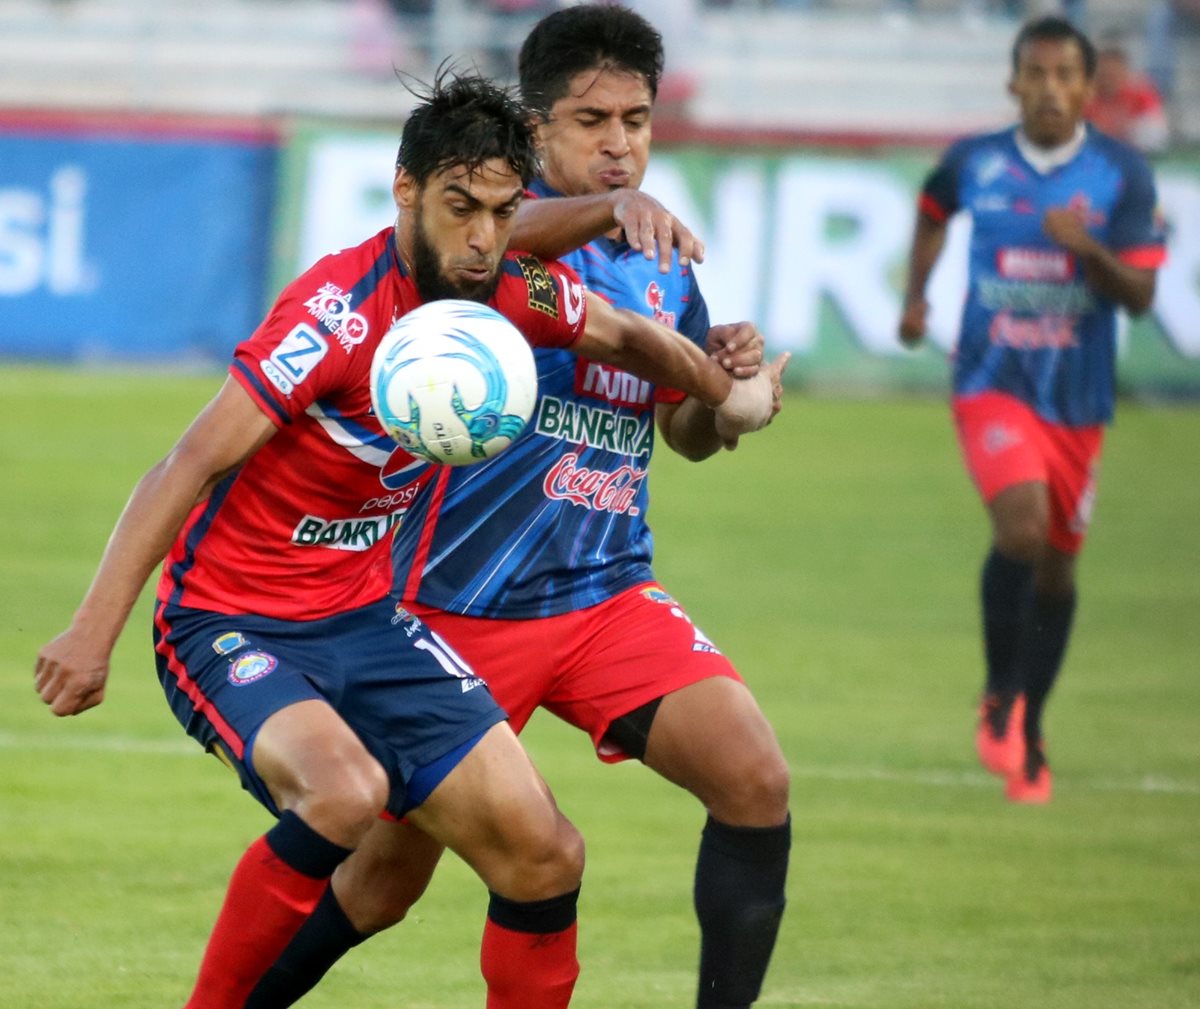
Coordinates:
[834,558]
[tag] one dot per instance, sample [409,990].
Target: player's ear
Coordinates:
[404,189]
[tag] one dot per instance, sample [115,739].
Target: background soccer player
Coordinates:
[538,561]
[1064,234]
[283,652]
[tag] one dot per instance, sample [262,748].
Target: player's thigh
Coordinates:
[712,738]
[414,701]
[225,676]
[496,812]
[311,760]
[625,654]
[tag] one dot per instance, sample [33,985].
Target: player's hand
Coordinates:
[752,402]
[737,347]
[653,230]
[1067,228]
[70,674]
[912,321]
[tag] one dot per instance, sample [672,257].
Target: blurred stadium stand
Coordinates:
[825,66]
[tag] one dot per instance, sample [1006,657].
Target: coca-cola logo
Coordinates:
[601,490]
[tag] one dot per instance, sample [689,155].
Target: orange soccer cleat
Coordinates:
[1032,783]
[1000,737]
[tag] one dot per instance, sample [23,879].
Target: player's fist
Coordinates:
[69,675]
[1066,227]
[912,321]
[752,402]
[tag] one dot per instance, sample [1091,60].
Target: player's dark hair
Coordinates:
[574,39]
[465,120]
[1054,29]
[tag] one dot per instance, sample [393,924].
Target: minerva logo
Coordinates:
[595,426]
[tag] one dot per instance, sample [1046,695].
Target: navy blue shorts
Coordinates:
[416,706]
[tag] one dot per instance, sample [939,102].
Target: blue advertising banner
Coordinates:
[148,244]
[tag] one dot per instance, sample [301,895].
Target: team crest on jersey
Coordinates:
[251,667]
[330,306]
[658,595]
[411,622]
[1081,205]
[656,300]
[229,642]
[540,285]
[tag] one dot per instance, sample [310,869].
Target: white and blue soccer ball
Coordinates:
[453,382]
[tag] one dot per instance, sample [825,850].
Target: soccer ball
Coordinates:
[453,382]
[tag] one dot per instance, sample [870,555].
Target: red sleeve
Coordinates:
[290,360]
[545,301]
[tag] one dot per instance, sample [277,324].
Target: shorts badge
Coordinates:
[228,642]
[251,667]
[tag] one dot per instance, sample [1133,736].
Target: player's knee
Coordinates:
[345,804]
[754,791]
[546,862]
[1023,537]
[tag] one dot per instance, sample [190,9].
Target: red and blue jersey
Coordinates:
[1031,326]
[301,530]
[556,522]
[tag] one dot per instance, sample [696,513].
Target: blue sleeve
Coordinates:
[693,320]
[1135,223]
[940,195]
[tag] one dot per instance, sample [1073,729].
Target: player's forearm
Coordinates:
[551,228]
[1130,287]
[660,355]
[141,538]
[690,430]
[929,238]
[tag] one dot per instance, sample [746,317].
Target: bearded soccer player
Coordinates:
[538,562]
[1064,234]
[278,644]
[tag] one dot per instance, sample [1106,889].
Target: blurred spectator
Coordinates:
[1126,104]
[900,12]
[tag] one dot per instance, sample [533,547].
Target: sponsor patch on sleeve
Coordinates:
[543,296]
[295,358]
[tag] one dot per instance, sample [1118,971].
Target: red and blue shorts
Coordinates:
[411,700]
[1004,442]
[589,667]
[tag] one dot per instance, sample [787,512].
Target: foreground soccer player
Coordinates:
[278,644]
[537,563]
[1064,234]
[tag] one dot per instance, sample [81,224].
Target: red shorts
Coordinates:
[1005,443]
[590,666]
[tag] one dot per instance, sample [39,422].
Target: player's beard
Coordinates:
[432,283]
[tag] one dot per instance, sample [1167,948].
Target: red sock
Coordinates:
[530,969]
[267,901]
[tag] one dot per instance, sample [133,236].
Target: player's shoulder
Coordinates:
[547,288]
[1124,156]
[344,268]
[980,145]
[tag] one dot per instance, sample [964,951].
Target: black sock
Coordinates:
[537,917]
[1043,647]
[739,898]
[1006,591]
[320,942]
